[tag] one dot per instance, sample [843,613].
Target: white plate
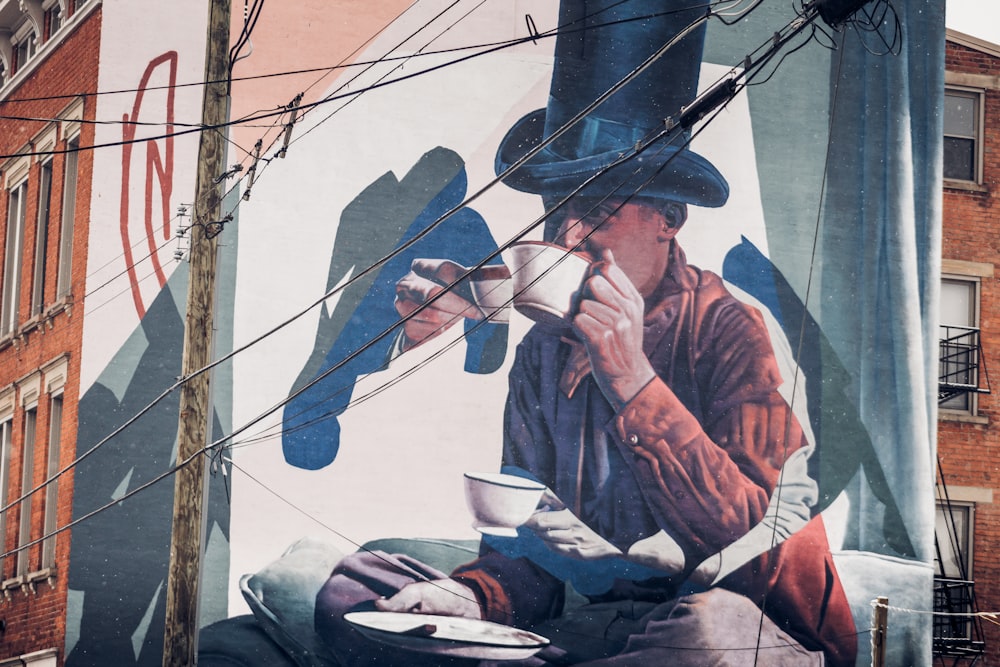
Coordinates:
[447,635]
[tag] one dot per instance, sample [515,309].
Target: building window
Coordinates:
[53,20]
[27,483]
[52,490]
[17,201]
[962,135]
[65,266]
[24,50]
[6,428]
[959,347]
[953,586]
[953,536]
[41,238]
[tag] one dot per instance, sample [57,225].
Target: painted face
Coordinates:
[637,234]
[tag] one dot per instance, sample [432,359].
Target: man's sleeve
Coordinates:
[709,481]
[512,591]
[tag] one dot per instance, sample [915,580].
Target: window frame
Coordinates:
[52,12]
[67,213]
[43,218]
[968,508]
[975,285]
[6,449]
[954,595]
[50,514]
[29,442]
[974,273]
[978,138]
[25,38]
[12,271]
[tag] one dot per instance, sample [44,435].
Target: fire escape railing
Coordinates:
[957,629]
[961,369]
[958,632]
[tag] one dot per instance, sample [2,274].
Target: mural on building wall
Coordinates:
[134,327]
[702,478]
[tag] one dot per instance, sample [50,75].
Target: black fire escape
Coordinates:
[958,632]
[960,362]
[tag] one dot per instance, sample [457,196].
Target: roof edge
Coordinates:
[971,42]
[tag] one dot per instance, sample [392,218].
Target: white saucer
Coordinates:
[447,635]
[497,531]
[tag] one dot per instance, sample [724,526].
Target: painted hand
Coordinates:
[445,597]
[427,279]
[610,324]
[659,551]
[566,534]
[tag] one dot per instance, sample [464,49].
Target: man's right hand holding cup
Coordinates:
[427,279]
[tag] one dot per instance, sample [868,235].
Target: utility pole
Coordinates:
[181,626]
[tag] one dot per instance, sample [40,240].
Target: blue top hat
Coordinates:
[600,42]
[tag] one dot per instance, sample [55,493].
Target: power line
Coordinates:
[250,17]
[379,263]
[743,13]
[337,289]
[304,107]
[483,262]
[127,269]
[310,70]
[132,420]
[406,59]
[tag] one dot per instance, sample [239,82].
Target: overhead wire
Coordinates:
[311,70]
[163,395]
[651,141]
[207,448]
[156,400]
[423,50]
[383,77]
[566,631]
[306,106]
[402,247]
[274,126]
[555,135]
[250,16]
[759,647]
[127,290]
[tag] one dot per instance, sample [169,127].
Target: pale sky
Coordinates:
[979,18]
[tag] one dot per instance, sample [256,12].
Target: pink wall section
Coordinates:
[299,36]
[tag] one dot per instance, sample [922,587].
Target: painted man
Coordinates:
[654,421]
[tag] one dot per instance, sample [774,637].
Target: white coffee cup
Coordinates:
[499,503]
[547,280]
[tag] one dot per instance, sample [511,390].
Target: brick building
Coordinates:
[48,51]
[968,524]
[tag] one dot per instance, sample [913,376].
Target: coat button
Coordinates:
[633,440]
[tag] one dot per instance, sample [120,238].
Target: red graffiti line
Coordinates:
[159,168]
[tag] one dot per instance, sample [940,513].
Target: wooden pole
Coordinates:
[880,625]
[181,624]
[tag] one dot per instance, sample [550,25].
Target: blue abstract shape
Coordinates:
[311,430]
